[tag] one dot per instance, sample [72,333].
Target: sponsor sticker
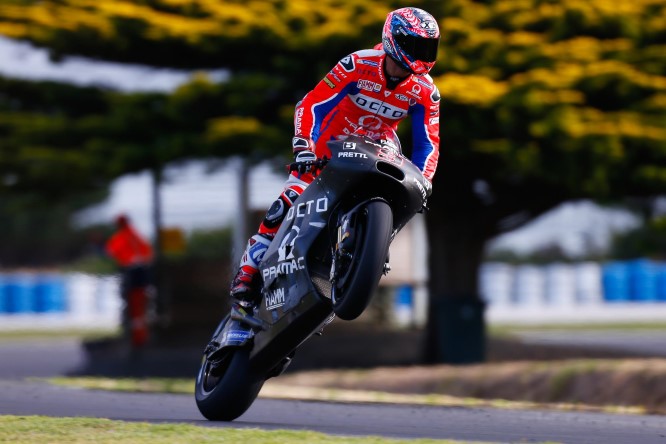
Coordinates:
[275,299]
[390,155]
[347,63]
[378,107]
[368,85]
[354,155]
[236,335]
[421,188]
[291,195]
[429,25]
[286,248]
[329,82]
[287,267]
[423,83]
[308,207]
[299,118]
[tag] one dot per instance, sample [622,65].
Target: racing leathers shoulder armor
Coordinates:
[357,93]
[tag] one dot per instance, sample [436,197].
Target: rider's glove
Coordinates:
[304,161]
[304,156]
[299,144]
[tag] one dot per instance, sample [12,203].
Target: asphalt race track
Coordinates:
[19,396]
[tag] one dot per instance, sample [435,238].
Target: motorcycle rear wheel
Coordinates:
[352,294]
[225,391]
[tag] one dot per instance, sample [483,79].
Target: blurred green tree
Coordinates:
[648,241]
[544,101]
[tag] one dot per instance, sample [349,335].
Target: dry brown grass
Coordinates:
[596,382]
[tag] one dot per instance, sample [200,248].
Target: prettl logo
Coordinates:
[275,299]
[353,155]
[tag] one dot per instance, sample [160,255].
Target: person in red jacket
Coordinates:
[133,255]
[364,89]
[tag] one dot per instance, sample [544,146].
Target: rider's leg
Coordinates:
[244,287]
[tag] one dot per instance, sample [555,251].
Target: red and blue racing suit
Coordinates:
[356,92]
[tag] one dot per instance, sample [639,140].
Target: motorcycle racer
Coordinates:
[364,89]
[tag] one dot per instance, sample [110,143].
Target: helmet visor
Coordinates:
[418,48]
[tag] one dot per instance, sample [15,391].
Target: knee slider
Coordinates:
[278,210]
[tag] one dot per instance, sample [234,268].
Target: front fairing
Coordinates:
[358,171]
[301,252]
[361,170]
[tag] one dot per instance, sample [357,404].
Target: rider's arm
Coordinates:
[312,110]
[425,133]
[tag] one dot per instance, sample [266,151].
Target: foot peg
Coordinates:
[239,314]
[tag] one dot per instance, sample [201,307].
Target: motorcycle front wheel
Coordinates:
[359,276]
[226,388]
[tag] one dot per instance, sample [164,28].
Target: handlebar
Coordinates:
[309,165]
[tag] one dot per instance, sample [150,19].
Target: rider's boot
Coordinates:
[244,290]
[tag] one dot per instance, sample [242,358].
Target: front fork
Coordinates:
[344,245]
[236,330]
[343,250]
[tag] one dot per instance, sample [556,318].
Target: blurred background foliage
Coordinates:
[648,240]
[544,101]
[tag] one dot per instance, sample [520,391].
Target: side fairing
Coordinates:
[284,267]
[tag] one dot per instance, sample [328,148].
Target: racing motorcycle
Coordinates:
[326,260]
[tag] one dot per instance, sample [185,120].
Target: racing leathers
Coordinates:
[357,92]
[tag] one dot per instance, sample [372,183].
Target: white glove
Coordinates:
[304,162]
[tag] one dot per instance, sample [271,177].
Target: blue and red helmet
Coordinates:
[410,37]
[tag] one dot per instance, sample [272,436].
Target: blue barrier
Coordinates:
[661,281]
[403,296]
[403,305]
[615,281]
[19,294]
[50,294]
[640,280]
[3,294]
[32,293]
[643,280]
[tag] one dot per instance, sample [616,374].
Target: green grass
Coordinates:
[45,335]
[273,389]
[42,429]
[497,330]
[147,385]
[503,330]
